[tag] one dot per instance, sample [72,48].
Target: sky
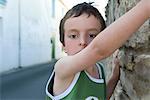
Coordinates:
[99,4]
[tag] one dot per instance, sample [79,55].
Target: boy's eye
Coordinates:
[73,36]
[92,35]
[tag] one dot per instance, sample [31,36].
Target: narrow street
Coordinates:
[26,83]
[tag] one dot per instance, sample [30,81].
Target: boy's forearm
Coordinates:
[117,33]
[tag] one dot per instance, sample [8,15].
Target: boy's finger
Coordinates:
[115,55]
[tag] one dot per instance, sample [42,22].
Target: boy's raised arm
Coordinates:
[107,41]
[118,32]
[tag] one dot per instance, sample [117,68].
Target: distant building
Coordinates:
[26,30]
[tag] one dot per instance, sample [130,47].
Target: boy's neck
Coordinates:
[93,71]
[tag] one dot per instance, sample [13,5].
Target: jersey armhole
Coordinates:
[50,85]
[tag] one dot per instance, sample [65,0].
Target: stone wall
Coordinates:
[135,56]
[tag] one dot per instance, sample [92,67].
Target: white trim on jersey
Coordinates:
[95,79]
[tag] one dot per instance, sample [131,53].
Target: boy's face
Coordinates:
[79,32]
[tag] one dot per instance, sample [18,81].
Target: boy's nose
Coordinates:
[83,42]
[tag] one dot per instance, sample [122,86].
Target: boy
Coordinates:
[89,32]
[78,76]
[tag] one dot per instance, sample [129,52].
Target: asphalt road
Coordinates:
[25,83]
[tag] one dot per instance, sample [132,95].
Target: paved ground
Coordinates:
[25,83]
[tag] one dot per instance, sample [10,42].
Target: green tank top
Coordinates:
[83,87]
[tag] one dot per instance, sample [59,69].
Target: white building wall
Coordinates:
[32,23]
[9,46]
[26,28]
[35,32]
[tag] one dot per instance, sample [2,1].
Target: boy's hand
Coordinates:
[116,64]
[115,75]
